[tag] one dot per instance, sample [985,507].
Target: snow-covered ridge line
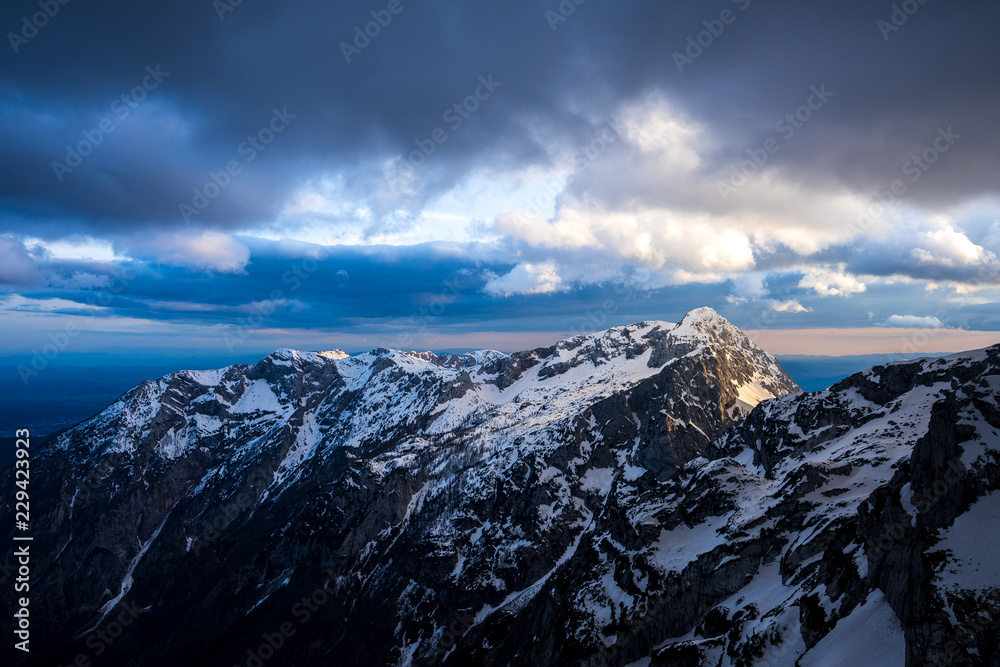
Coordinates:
[702,324]
[570,373]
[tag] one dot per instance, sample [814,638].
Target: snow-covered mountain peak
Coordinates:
[335,355]
[283,354]
[708,324]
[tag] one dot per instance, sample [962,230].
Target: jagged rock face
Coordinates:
[596,502]
[896,473]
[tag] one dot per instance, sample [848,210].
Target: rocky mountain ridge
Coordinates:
[601,501]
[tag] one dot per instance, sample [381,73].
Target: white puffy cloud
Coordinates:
[832,282]
[791,306]
[682,248]
[914,322]
[949,247]
[526,278]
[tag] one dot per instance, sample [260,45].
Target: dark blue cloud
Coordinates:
[440,289]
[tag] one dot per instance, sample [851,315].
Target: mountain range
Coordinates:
[654,494]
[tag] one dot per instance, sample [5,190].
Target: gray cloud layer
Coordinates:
[225,77]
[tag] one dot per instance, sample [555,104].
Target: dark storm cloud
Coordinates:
[227,76]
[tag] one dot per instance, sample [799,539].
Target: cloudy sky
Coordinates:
[426,174]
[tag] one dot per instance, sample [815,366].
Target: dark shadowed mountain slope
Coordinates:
[596,502]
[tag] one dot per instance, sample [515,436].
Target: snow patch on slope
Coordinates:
[871,635]
[973,542]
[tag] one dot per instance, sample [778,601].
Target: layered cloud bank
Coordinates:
[794,166]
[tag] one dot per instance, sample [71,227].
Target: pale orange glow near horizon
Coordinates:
[872,340]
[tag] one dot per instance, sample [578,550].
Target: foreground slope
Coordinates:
[892,484]
[858,525]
